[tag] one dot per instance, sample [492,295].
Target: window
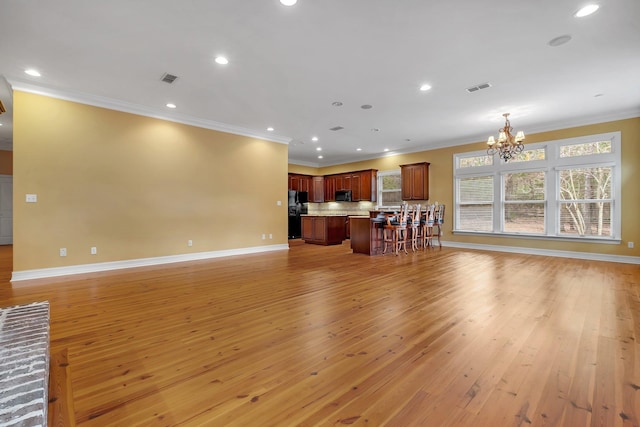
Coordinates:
[389,189]
[524,202]
[565,189]
[585,201]
[476,203]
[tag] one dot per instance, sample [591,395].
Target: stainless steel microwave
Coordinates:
[343,196]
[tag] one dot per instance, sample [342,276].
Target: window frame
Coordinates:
[551,166]
[382,174]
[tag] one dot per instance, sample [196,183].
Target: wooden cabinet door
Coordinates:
[346,182]
[320,229]
[368,185]
[329,188]
[316,193]
[305,183]
[307,228]
[415,181]
[356,187]
[293,182]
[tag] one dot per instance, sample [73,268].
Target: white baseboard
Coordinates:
[546,252]
[142,262]
[145,262]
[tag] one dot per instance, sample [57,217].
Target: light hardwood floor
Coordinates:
[317,336]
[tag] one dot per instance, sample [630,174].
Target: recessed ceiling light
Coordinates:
[270,129]
[366,107]
[598,95]
[559,41]
[386,149]
[358,149]
[32,72]
[337,104]
[586,11]
[222,60]
[288,2]
[375,130]
[320,157]
[1,124]
[314,139]
[425,87]
[170,105]
[319,149]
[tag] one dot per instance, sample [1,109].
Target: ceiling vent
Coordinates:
[168,78]
[478,87]
[336,128]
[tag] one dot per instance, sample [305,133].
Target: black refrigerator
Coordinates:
[298,201]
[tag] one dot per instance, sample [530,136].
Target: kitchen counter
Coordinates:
[366,235]
[324,229]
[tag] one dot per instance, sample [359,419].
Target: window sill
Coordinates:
[603,240]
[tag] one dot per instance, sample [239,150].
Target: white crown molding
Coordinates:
[141,110]
[142,262]
[546,252]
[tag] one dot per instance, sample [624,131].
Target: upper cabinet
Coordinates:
[415,181]
[299,182]
[368,183]
[363,185]
[316,195]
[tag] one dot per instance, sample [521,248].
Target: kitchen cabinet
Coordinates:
[316,195]
[354,186]
[323,230]
[329,188]
[415,181]
[299,182]
[362,185]
[367,182]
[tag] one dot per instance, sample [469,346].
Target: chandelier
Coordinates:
[507,145]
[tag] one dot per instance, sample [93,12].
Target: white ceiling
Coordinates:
[288,64]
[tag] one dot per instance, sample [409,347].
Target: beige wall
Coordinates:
[441,186]
[137,187]
[303,170]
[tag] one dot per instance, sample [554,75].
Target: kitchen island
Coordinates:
[367,234]
[324,229]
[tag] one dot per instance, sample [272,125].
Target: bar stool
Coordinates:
[395,231]
[439,220]
[427,226]
[414,225]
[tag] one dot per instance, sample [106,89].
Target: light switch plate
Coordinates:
[32,198]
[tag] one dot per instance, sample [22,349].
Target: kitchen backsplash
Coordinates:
[340,208]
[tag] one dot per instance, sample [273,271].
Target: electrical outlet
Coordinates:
[264,236]
[270,236]
[63,251]
[630,245]
[94,250]
[279,203]
[190,243]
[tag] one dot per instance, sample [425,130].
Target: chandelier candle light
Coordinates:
[507,145]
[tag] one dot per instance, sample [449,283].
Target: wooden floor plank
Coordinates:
[61,412]
[319,336]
